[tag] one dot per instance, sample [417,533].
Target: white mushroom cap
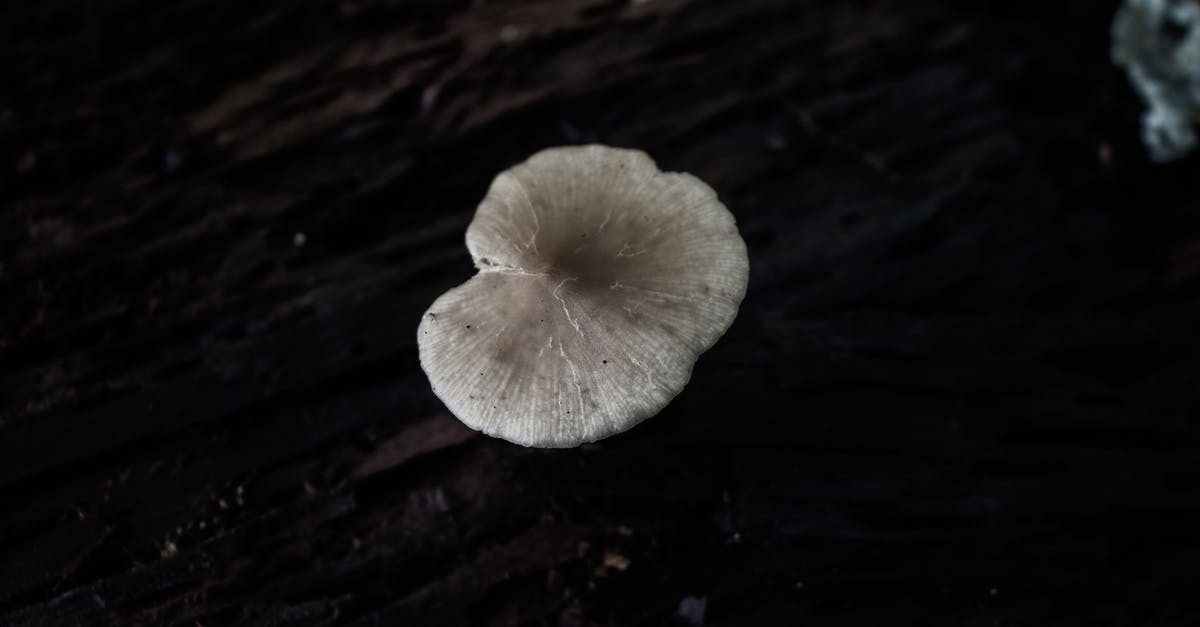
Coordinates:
[601,281]
[1158,44]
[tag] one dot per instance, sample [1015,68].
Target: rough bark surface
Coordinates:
[962,389]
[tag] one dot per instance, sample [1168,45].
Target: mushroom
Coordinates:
[1157,42]
[600,282]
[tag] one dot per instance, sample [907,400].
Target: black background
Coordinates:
[962,388]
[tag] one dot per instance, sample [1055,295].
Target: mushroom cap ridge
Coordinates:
[601,281]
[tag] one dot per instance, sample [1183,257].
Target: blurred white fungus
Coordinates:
[691,610]
[600,282]
[1157,42]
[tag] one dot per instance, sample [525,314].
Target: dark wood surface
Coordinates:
[962,389]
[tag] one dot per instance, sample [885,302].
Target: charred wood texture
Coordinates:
[962,390]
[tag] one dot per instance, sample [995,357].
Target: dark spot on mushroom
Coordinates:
[1173,30]
[468,326]
[604,361]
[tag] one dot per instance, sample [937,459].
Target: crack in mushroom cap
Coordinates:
[601,281]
